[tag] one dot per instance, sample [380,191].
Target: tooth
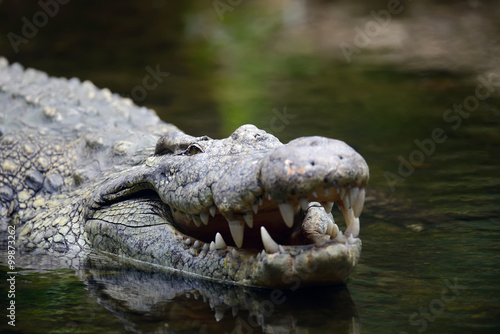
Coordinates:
[261,200]
[342,193]
[237,228]
[351,222]
[196,244]
[212,246]
[346,200]
[330,227]
[327,192]
[212,210]
[339,237]
[219,314]
[353,229]
[335,231]
[303,203]
[348,215]
[219,241]
[204,218]
[205,247]
[255,207]
[353,194]
[315,194]
[248,218]
[269,196]
[287,213]
[197,220]
[359,202]
[269,244]
[188,241]
[328,206]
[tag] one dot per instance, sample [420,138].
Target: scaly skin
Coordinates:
[80,170]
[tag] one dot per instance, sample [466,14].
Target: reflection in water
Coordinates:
[147,299]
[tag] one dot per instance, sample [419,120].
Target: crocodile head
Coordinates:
[246,209]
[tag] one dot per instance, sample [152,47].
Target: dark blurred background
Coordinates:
[234,62]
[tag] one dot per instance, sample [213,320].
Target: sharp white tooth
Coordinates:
[335,231]
[329,229]
[348,215]
[251,259]
[346,200]
[205,247]
[315,194]
[269,244]
[196,244]
[359,202]
[353,229]
[219,314]
[219,241]
[287,213]
[188,241]
[196,220]
[204,218]
[237,227]
[255,207]
[248,218]
[351,222]
[212,210]
[328,206]
[212,246]
[353,194]
[339,237]
[303,203]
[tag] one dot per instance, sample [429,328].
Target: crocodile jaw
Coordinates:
[256,214]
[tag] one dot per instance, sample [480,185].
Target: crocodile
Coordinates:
[85,170]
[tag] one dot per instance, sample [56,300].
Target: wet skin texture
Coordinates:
[83,168]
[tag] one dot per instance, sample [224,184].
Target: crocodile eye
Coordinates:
[193,149]
[179,143]
[174,142]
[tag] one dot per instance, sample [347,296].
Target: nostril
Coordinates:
[313,163]
[341,157]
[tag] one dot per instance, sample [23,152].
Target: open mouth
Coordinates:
[266,224]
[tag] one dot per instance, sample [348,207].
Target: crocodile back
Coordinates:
[58,134]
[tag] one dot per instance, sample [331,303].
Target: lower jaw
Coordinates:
[327,263]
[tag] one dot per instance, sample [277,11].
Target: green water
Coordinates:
[431,232]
